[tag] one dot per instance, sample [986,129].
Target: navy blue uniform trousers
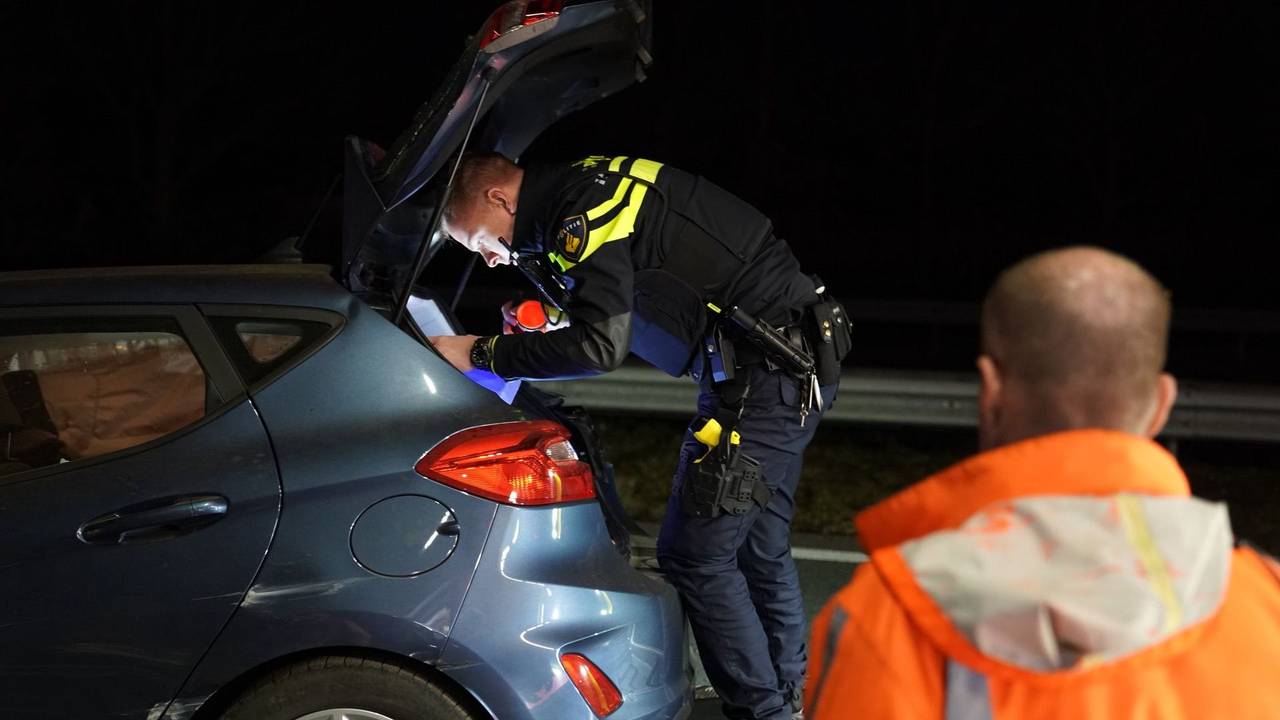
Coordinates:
[735,573]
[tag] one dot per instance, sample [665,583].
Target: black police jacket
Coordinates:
[642,248]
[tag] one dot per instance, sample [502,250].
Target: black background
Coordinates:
[908,150]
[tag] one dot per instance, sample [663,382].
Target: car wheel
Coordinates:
[345,688]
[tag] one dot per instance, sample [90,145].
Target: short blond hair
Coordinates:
[477,173]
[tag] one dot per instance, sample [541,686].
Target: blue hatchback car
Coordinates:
[255,492]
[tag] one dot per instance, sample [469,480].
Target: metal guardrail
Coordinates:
[886,397]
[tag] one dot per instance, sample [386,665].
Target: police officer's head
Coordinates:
[481,212]
[1074,338]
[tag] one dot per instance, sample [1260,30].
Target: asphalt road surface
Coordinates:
[825,565]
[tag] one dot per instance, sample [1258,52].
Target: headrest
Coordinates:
[9,416]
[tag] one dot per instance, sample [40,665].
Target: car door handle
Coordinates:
[155,520]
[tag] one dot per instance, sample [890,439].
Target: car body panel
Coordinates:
[114,630]
[345,427]
[348,426]
[549,578]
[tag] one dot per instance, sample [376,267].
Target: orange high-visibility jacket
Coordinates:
[1067,576]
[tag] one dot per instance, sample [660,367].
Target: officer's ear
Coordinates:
[500,197]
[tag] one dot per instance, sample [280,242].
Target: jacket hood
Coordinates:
[1060,552]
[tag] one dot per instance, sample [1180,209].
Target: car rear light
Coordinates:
[517,21]
[518,463]
[596,687]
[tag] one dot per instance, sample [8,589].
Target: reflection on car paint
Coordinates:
[263,594]
[436,534]
[556,683]
[608,604]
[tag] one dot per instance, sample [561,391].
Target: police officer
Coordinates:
[647,259]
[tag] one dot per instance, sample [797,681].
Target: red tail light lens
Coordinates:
[518,463]
[596,687]
[500,30]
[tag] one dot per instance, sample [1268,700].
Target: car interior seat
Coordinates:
[31,439]
[10,423]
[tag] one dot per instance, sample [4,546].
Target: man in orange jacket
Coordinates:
[1066,571]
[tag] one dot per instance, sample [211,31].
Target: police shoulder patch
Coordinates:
[572,237]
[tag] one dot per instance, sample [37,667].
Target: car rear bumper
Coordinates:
[551,582]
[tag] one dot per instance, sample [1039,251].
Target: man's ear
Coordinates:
[1166,394]
[990,390]
[501,198]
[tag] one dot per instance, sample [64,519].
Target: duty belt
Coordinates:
[739,340]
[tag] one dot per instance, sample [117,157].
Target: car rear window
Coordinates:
[260,346]
[268,342]
[66,396]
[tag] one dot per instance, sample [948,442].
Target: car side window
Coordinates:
[268,342]
[67,396]
[259,346]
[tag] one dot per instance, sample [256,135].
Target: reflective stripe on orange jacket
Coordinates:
[1067,576]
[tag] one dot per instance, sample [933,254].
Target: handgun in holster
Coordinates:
[813,350]
[779,351]
[724,479]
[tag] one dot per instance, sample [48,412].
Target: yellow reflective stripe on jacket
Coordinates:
[623,224]
[604,207]
[645,169]
[1156,570]
[559,261]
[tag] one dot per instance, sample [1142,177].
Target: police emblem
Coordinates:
[573,237]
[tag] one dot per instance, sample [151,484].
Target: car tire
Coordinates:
[372,688]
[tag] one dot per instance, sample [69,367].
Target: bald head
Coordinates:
[1077,338]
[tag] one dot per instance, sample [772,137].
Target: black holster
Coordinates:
[718,486]
[724,479]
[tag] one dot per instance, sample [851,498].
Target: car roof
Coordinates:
[295,284]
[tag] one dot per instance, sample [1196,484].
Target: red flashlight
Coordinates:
[530,316]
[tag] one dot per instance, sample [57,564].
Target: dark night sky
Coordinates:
[911,148]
